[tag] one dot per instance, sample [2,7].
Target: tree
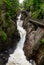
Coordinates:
[36,7]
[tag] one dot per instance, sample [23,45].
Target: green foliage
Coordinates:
[3,35]
[12,6]
[36,7]
[42,41]
[35,14]
[27,4]
[8,20]
[8,29]
[1,2]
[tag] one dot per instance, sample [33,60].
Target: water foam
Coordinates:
[18,57]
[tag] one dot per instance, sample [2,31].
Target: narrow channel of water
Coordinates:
[18,57]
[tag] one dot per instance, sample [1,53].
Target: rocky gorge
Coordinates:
[33,47]
[9,37]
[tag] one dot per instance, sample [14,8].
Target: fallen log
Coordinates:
[35,22]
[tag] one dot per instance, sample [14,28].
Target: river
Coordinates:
[18,57]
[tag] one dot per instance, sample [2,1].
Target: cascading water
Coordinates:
[18,57]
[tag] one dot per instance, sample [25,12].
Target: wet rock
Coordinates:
[11,41]
[39,56]
[1,62]
[4,54]
[9,35]
[32,43]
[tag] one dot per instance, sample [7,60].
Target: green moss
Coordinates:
[42,41]
[3,35]
[1,1]
[11,30]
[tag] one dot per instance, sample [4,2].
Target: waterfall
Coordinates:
[22,32]
[18,57]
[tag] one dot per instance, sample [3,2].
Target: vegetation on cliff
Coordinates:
[36,7]
[34,44]
[8,28]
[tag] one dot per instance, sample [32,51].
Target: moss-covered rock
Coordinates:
[8,29]
[3,35]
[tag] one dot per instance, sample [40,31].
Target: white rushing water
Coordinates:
[18,57]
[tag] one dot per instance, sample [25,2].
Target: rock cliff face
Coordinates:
[32,46]
[39,56]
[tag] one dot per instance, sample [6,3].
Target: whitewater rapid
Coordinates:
[18,57]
